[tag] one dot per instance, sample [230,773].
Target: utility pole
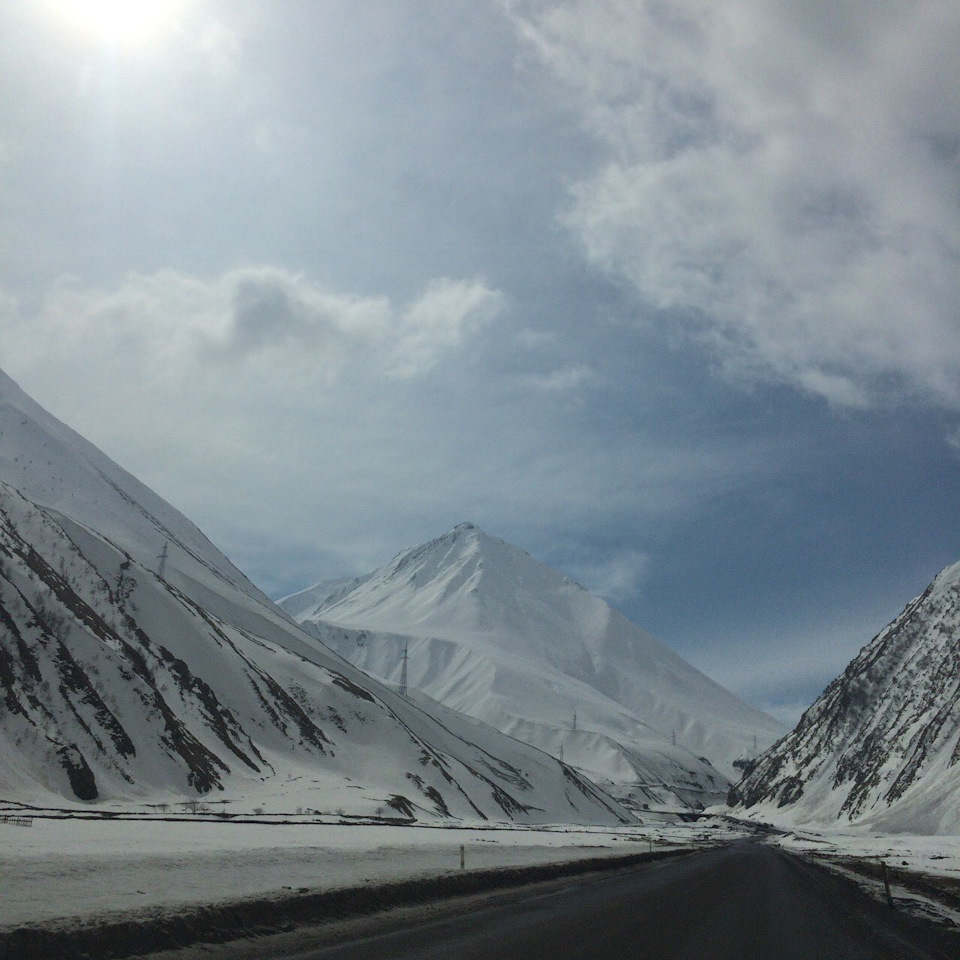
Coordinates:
[561,753]
[163,559]
[754,744]
[403,671]
[574,719]
[673,737]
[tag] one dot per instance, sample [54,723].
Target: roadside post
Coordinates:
[886,883]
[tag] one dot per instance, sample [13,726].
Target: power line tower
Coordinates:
[163,559]
[403,670]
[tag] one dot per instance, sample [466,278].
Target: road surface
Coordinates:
[744,902]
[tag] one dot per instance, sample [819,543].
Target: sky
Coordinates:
[665,292]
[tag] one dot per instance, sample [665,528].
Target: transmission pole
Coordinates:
[163,559]
[403,671]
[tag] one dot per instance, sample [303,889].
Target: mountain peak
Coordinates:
[129,675]
[464,535]
[464,579]
[517,643]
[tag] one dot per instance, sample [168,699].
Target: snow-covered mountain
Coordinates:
[137,663]
[495,634]
[881,747]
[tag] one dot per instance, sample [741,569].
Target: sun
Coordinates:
[122,22]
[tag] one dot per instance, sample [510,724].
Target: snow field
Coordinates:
[81,871]
[937,855]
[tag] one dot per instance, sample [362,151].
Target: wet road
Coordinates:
[744,902]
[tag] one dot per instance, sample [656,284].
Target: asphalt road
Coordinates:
[744,902]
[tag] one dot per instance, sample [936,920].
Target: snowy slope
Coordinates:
[881,747]
[493,633]
[118,682]
[54,466]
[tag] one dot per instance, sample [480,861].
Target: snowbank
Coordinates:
[70,870]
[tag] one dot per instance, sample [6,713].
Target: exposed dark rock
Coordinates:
[877,729]
[82,781]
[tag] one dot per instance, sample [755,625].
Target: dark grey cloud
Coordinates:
[264,314]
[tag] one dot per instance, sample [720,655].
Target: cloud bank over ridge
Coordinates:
[779,177]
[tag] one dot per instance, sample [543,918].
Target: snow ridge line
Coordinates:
[261,916]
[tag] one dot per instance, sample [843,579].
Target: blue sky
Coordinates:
[664,293]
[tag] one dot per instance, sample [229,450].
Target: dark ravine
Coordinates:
[258,917]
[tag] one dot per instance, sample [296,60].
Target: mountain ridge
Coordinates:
[881,746]
[130,679]
[496,628]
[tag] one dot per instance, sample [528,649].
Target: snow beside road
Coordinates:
[903,854]
[70,870]
[923,854]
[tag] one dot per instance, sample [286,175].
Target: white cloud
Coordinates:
[217,42]
[263,405]
[447,314]
[617,577]
[782,175]
[562,380]
[260,318]
[291,421]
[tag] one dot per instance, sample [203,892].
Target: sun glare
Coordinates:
[124,22]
